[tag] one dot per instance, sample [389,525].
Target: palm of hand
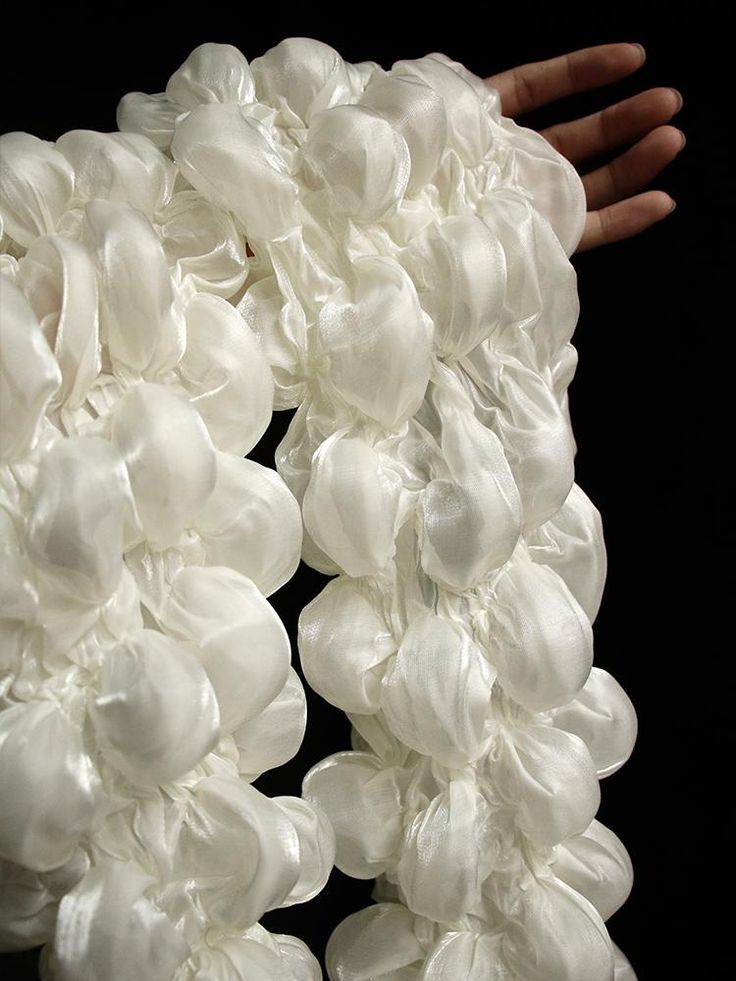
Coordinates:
[617,207]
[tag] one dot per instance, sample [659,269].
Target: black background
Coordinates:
[648,406]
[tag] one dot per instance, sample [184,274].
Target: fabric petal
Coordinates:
[378,342]
[362,800]
[274,736]
[551,781]
[108,930]
[29,374]
[220,151]
[212,73]
[49,786]
[343,643]
[351,505]
[36,184]
[373,943]
[597,865]
[539,639]
[169,457]
[80,500]
[242,643]
[316,848]
[445,844]
[602,715]
[226,374]
[470,956]
[436,693]
[156,713]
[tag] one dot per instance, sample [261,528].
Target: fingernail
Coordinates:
[679,96]
[641,49]
[684,139]
[672,207]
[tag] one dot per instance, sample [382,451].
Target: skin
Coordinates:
[618,208]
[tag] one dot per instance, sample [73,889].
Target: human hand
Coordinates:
[617,208]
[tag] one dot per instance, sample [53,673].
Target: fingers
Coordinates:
[624,219]
[621,123]
[634,169]
[531,86]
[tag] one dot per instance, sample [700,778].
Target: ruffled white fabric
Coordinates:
[410,288]
[145,680]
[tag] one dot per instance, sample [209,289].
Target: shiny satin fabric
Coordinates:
[408,285]
[146,680]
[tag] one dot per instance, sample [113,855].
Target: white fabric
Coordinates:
[408,283]
[146,681]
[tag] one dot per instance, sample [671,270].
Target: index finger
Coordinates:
[540,82]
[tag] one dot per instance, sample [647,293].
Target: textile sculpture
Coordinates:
[397,253]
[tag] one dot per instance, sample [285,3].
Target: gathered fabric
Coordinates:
[386,253]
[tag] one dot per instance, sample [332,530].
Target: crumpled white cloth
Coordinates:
[145,681]
[407,279]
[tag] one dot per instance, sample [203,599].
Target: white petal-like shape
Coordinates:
[274,736]
[362,800]
[459,267]
[212,73]
[469,130]
[306,74]
[251,523]
[48,786]
[235,959]
[417,112]
[557,936]
[597,865]
[373,943]
[470,514]
[108,930]
[623,971]
[201,240]
[572,544]
[29,374]
[470,956]
[343,644]
[378,342]
[351,504]
[243,644]
[233,160]
[169,456]
[442,866]
[226,373]
[359,159]
[604,718]
[316,847]
[536,436]
[299,960]
[550,780]
[156,714]
[29,901]
[153,116]
[280,325]
[541,301]
[241,848]
[27,908]
[540,640]
[138,322]
[36,184]
[553,183]
[436,693]
[75,532]
[118,167]
[60,280]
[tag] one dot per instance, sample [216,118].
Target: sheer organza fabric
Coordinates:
[407,280]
